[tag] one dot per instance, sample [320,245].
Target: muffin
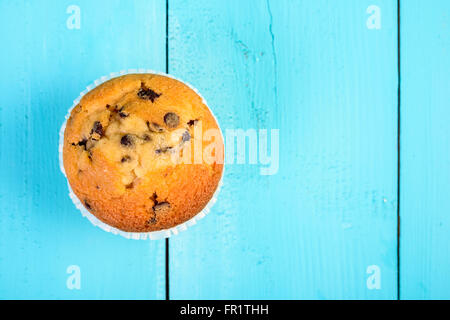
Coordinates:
[143,152]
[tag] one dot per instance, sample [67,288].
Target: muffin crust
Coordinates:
[131,152]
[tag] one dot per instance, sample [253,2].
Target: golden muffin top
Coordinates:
[143,152]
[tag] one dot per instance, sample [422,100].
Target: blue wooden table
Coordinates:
[358,205]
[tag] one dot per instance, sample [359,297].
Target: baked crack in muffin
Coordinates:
[143,152]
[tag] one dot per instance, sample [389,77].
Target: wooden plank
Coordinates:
[313,70]
[44,66]
[425,137]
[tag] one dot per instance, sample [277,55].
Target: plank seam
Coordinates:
[274,53]
[398,146]
[167,71]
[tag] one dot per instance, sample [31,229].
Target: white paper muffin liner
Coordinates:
[153,235]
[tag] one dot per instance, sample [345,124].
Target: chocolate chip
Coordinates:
[161,206]
[122,114]
[146,137]
[147,93]
[186,136]
[81,143]
[126,140]
[87,204]
[158,207]
[192,122]
[125,159]
[130,185]
[154,127]
[171,119]
[97,128]
[152,220]
[163,150]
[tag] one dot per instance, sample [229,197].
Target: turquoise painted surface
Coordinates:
[317,229]
[313,70]
[425,209]
[44,66]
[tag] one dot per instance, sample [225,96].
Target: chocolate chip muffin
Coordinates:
[143,152]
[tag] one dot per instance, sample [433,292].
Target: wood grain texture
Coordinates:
[44,66]
[425,138]
[315,71]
